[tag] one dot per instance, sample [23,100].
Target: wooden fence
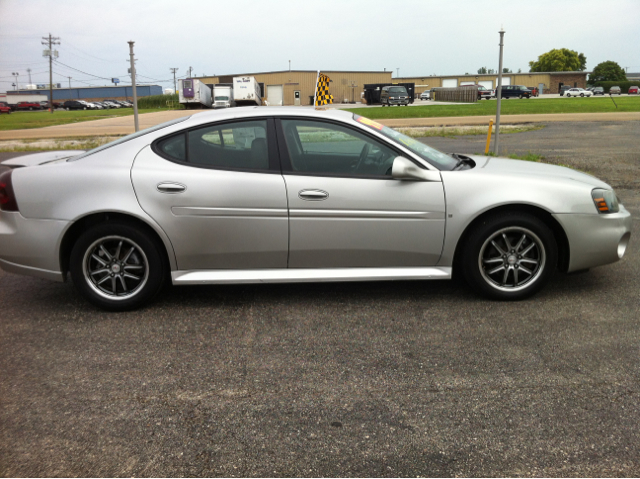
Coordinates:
[458,95]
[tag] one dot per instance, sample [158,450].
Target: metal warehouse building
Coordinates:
[93,93]
[549,82]
[296,87]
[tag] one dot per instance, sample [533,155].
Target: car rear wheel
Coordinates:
[509,256]
[117,266]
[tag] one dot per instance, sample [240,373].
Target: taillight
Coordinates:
[7,197]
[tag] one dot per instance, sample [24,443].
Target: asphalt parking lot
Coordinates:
[354,379]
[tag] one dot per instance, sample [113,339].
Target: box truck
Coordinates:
[246,91]
[223,95]
[193,93]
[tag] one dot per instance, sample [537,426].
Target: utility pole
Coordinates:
[190,68]
[16,74]
[289,65]
[29,72]
[69,82]
[50,41]
[496,144]
[398,74]
[174,70]
[133,84]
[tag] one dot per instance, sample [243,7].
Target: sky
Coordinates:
[410,38]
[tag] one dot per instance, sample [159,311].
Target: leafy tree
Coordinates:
[583,62]
[559,60]
[607,71]
[506,70]
[482,70]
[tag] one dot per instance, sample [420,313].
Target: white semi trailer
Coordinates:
[246,91]
[193,93]
[223,96]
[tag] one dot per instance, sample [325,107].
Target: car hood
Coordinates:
[40,158]
[530,168]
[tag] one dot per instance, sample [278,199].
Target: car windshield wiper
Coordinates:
[462,161]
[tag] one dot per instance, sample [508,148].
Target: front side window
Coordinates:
[322,148]
[440,160]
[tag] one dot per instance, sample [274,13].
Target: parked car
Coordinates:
[27,105]
[563,89]
[394,95]
[578,92]
[75,105]
[5,109]
[534,90]
[213,198]
[515,91]
[113,104]
[45,104]
[633,90]
[615,90]
[425,95]
[598,91]
[4,103]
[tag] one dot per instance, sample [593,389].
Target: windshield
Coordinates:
[398,89]
[133,136]
[221,98]
[440,160]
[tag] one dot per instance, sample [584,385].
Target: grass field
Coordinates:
[19,120]
[509,107]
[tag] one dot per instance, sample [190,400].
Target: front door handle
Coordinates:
[168,187]
[313,195]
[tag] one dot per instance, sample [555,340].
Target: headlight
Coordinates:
[606,201]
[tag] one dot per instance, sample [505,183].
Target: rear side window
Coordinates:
[235,145]
[238,145]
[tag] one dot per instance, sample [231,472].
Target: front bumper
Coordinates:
[31,247]
[595,240]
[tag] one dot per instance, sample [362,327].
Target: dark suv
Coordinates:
[513,91]
[598,91]
[74,105]
[394,95]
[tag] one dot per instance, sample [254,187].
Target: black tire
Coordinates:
[520,97]
[118,266]
[581,94]
[490,261]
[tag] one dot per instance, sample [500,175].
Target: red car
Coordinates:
[534,90]
[633,90]
[4,109]
[28,105]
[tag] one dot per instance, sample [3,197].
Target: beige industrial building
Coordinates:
[296,87]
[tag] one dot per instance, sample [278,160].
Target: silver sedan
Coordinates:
[250,195]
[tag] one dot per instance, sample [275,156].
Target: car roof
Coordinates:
[269,111]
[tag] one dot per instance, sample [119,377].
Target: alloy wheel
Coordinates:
[115,267]
[512,259]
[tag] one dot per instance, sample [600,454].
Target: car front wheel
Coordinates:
[117,266]
[509,256]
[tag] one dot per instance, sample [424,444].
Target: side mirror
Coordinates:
[405,169]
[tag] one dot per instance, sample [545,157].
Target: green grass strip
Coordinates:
[509,107]
[20,120]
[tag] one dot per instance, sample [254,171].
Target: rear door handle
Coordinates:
[313,195]
[168,187]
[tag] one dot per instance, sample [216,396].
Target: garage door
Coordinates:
[487,84]
[464,83]
[505,81]
[449,83]
[274,95]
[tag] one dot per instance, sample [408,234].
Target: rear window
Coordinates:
[133,136]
